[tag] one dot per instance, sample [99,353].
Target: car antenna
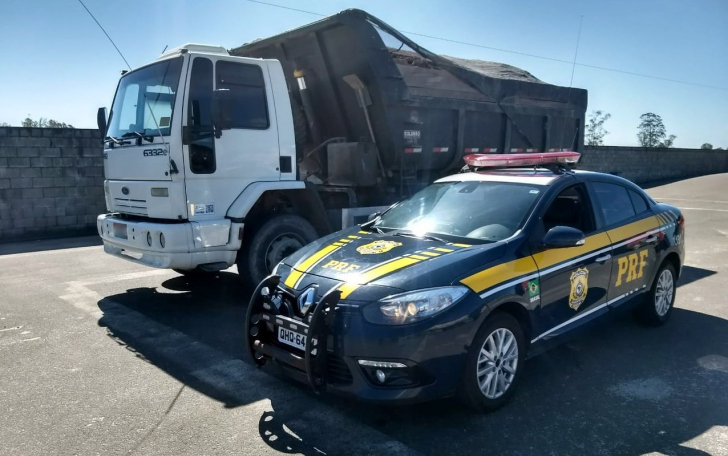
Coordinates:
[154,118]
[571,83]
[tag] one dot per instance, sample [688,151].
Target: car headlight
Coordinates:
[414,306]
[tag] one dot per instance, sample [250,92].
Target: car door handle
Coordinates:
[651,239]
[604,258]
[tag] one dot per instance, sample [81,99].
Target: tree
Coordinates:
[706,146]
[44,123]
[651,132]
[595,131]
[668,142]
[4,124]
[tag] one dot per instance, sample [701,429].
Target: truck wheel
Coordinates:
[276,239]
[494,363]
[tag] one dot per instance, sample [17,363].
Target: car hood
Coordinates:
[361,263]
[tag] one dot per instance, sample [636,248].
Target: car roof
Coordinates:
[518,175]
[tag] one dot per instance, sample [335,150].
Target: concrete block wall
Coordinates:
[645,165]
[51,182]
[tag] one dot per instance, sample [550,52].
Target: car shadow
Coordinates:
[621,388]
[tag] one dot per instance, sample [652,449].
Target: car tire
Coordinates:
[476,390]
[274,240]
[656,306]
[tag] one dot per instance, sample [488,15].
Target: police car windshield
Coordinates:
[486,211]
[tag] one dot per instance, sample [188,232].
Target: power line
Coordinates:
[525,54]
[104,30]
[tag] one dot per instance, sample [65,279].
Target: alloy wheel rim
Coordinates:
[664,292]
[497,363]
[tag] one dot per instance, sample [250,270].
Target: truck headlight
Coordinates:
[414,306]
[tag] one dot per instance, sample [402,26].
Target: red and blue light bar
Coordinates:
[519,160]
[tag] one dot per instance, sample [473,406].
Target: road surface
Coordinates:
[102,356]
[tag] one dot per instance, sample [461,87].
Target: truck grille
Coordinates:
[131,206]
[338,371]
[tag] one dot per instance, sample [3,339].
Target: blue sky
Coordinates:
[58,64]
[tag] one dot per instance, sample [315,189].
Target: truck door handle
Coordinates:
[604,258]
[651,240]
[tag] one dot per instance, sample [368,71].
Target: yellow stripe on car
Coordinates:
[504,272]
[431,254]
[633,229]
[375,273]
[440,249]
[499,273]
[298,271]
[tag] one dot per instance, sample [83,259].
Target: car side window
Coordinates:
[615,202]
[570,208]
[638,202]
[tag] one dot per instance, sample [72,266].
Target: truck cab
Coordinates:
[192,141]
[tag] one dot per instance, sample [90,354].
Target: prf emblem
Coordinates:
[376,247]
[633,265]
[579,287]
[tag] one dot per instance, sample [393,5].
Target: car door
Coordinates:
[632,229]
[221,163]
[573,281]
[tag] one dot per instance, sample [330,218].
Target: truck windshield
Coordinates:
[145,98]
[487,211]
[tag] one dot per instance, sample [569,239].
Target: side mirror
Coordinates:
[563,236]
[373,216]
[222,110]
[101,121]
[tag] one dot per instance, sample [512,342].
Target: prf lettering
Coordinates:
[340,266]
[633,265]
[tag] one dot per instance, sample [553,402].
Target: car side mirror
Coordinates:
[563,236]
[222,110]
[101,121]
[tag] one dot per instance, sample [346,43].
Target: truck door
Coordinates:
[573,280]
[219,165]
[631,228]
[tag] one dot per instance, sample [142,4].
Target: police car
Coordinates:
[450,291]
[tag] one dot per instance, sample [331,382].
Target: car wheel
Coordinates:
[494,363]
[656,307]
[276,239]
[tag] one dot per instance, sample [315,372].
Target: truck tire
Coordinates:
[274,240]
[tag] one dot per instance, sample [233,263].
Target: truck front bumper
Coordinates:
[211,244]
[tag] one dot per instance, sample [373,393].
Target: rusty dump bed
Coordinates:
[425,110]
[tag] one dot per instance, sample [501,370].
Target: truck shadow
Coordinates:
[620,389]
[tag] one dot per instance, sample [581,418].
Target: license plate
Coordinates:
[120,231]
[291,338]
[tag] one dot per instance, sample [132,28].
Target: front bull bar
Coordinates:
[264,313]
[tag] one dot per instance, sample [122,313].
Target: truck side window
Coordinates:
[199,118]
[247,86]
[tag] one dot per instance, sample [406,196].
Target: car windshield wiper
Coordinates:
[116,141]
[411,234]
[129,134]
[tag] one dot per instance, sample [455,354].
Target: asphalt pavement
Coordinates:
[103,356]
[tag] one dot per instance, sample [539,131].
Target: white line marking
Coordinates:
[10,329]
[28,340]
[131,276]
[698,200]
[48,252]
[703,209]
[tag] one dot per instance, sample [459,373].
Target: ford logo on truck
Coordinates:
[154,152]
